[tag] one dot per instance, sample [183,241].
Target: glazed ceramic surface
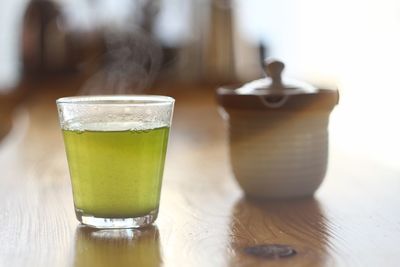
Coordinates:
[278,138]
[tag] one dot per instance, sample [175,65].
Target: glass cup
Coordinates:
[116,148]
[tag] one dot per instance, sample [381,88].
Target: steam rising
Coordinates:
[130,65]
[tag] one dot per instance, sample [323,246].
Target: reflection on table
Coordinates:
[117,247]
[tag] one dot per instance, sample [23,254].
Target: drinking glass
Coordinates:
[116,148]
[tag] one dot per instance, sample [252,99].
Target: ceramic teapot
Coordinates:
[278,134]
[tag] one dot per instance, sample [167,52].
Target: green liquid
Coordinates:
[116,174]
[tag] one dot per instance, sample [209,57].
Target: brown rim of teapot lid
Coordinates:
[275,83]
[275,91]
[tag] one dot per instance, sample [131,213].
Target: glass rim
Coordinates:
[116,100]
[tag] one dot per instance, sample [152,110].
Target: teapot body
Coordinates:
[278,153]
[278,143]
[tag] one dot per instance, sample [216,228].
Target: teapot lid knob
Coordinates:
[273,69]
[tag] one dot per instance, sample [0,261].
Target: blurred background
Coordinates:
[129,46]
[210,41]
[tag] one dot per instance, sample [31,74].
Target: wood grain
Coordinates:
[353,220]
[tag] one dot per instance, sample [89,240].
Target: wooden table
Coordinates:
[353,220]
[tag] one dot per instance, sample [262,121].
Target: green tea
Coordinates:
[116,174]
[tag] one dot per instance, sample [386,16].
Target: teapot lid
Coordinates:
[274,83]
[274,92]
